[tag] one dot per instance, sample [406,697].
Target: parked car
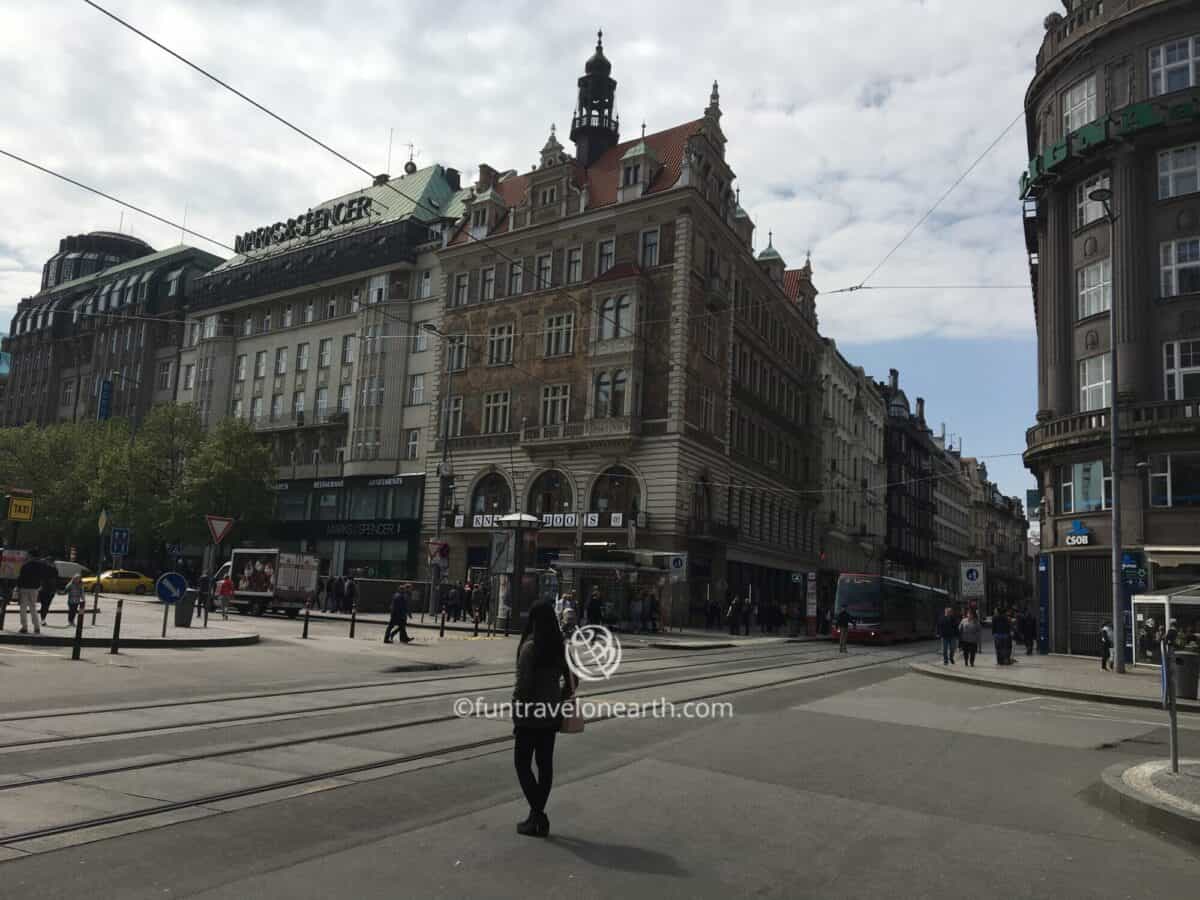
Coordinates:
[121,581]
[68,570]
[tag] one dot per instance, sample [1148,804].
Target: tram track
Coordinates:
[303,780]
[283,715]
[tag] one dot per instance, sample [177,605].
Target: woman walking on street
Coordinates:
[75,598]
[969,634]
[543,682]
[225,593]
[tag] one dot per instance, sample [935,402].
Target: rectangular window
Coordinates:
[1084,487]
[420,338]
[708,409]
[1180,267]
[248,326]
[606,254]
[309,311]
[416,389]
[266,322]
[412,443]
[479,217]
[560,334]
[633,174]
[708,335]
[1175,479]
[256,409]
[302,357]
[347,349]
[68,392]
[210,327]
[455,407]
[189,377]
[574,265]
[1079,104]
[1086,209]
[324,353]
[495,412]
[260,364]
[650,248]
[1094,285]
[456,353]
[1094,383]
[344,394]
[298,404]
[321,407]
[516,276]
[237,407]
[544,272]
[276,407]
[556,399]
[425,284]
[487,283]
[281,356]
[1175,66]
[500,345]
[549,196]
[163,379]
[1179,171]
[1182,370]
[288,313]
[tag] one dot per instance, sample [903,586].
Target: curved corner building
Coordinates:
[1115,103]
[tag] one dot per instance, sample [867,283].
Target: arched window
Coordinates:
[550,493]
[491,496]
[603,396]
[616,490]
[620,392]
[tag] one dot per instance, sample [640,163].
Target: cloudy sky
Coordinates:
[846,121]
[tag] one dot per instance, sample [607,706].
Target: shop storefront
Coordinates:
[369,527]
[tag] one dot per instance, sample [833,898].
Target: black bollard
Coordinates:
[116,627]
[166,610]
[476,625]
[3,607]
[78,645]
[353,616]
[306,611]
[205,613]
[442,633]
[95,603]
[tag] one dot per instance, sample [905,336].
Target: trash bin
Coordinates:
[1187,675]
[183,608]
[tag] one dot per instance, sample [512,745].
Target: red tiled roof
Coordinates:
[603,178]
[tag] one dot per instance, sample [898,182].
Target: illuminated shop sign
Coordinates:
[309,224]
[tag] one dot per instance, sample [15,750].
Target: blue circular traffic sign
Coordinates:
[170,587]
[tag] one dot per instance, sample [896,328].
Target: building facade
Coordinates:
[999,533]
[110,309]
[951,515]
[1115,105]
[616,361]
[314,335]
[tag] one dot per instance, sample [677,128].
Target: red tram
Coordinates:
[883,609]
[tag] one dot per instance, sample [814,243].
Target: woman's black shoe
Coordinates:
[530,826]
[543,825]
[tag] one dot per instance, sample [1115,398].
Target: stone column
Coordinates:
[680,322]
[1056,304]
[1129,277]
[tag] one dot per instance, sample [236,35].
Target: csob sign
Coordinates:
[309,224]
[1078,536]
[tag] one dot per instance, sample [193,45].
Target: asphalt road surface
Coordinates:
[335,768]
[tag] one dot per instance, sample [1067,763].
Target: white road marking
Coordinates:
[23,650]
[1007,703]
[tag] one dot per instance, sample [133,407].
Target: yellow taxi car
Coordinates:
[121,581]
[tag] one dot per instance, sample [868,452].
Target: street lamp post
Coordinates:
[1104,196]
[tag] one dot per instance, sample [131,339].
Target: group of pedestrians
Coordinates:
[741,611]
[205,591]
[966,633]
[337,593]
[467,601]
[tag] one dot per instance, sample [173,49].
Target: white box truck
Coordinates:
[266,579]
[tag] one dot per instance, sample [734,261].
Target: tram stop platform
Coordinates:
[141,627]
[1053,675]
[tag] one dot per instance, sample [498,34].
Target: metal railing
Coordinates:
[1134,417]
[623,426]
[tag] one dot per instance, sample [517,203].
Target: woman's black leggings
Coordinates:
[539,743]
[968,652]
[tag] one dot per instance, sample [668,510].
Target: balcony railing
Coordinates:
[1165,417]
[1085,18]
[286,421]
[625,427]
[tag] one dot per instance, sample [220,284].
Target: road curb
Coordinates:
[1048,691]
[1117,796]
[140,643]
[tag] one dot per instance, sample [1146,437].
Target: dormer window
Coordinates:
[549,196]
[479,218]
[633,174]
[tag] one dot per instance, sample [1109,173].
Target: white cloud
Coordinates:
[845,123]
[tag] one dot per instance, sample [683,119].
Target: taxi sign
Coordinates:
[20,509]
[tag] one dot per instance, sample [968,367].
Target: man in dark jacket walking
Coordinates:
[1027,625]
[33,578]
[947,629]
[398,621]
[1002,637]
[595,608]
[843,621]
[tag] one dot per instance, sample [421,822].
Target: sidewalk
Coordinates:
[1061,676]
[1150,795]
[141,627]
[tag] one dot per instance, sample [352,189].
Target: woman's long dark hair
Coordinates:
[541,626]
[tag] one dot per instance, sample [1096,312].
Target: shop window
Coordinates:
[550,493]
[491,496]
[616,490]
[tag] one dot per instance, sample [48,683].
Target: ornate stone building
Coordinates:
[616,361]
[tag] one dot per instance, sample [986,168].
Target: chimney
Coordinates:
[381,179]
[894,379]
[454,179]
[487,178]
[921,408]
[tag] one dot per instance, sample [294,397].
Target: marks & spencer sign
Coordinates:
[309,224]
